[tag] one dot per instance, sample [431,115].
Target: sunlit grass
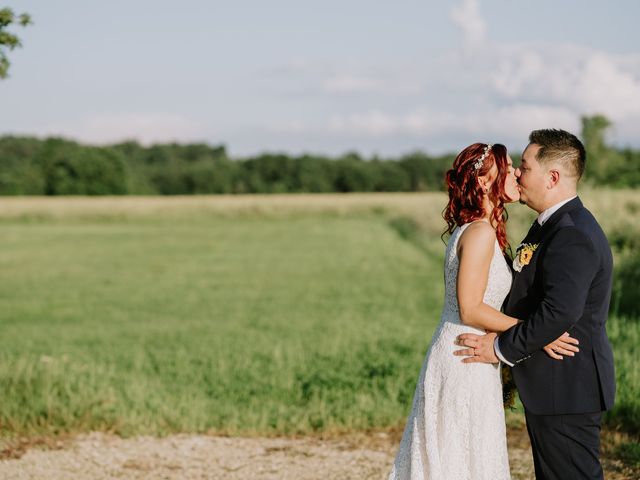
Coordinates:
[265,314]
[225,324]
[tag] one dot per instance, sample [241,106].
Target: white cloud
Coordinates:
[480,90]
[583,79]
[500,93]
[146,128]
[293,127]
[604,86]
[346,83]
[467,18]
[373,123]
[513,121]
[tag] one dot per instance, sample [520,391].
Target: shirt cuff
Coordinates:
[496,347]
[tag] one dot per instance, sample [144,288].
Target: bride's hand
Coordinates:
[563,345]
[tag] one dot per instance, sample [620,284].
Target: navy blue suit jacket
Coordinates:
[565,287]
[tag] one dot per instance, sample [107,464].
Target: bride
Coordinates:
[456,428]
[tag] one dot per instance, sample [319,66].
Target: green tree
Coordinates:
[354,174]
[73,169]
[426,173]
[8,40]
[603,162]
[313,174]
[19,172]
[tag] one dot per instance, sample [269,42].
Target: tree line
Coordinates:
[56,166]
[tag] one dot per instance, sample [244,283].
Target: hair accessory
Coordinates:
[478,163]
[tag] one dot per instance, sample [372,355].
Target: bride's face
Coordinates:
[511,182]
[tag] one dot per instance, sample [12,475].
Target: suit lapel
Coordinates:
[553,219]
[535,237]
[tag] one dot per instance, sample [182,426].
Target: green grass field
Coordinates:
[269,315]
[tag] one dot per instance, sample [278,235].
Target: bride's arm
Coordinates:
[475,252]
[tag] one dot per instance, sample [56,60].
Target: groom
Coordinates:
[562,283]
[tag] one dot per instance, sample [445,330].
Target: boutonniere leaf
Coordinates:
[524,253]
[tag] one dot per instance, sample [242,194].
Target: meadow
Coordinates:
[270,315]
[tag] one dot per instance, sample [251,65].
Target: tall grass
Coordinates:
[624,334]
[283,314]
[230,325]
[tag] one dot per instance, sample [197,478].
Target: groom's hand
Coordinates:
[480,348]
[563,345]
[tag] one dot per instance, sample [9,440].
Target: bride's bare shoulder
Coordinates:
[478,236]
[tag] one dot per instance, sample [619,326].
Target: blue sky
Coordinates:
[325,77]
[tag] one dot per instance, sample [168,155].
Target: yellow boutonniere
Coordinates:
[524,255]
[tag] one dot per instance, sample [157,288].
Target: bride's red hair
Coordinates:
[465,192]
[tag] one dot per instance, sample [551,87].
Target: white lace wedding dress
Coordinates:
[456,428]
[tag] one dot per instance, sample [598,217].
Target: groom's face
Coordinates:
[531,177]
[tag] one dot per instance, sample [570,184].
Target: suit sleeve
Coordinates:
[569,266]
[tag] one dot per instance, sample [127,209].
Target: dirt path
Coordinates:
[99,456]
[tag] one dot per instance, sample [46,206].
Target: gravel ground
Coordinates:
[100,456]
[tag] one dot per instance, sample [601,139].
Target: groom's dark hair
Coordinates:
[561,147]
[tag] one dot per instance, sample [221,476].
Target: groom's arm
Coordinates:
[569,266]
[496,349]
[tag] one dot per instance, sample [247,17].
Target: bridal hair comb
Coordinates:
[478,163]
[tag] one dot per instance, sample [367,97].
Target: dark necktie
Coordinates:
[533,230]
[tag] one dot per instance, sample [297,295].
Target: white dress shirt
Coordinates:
[542,218]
